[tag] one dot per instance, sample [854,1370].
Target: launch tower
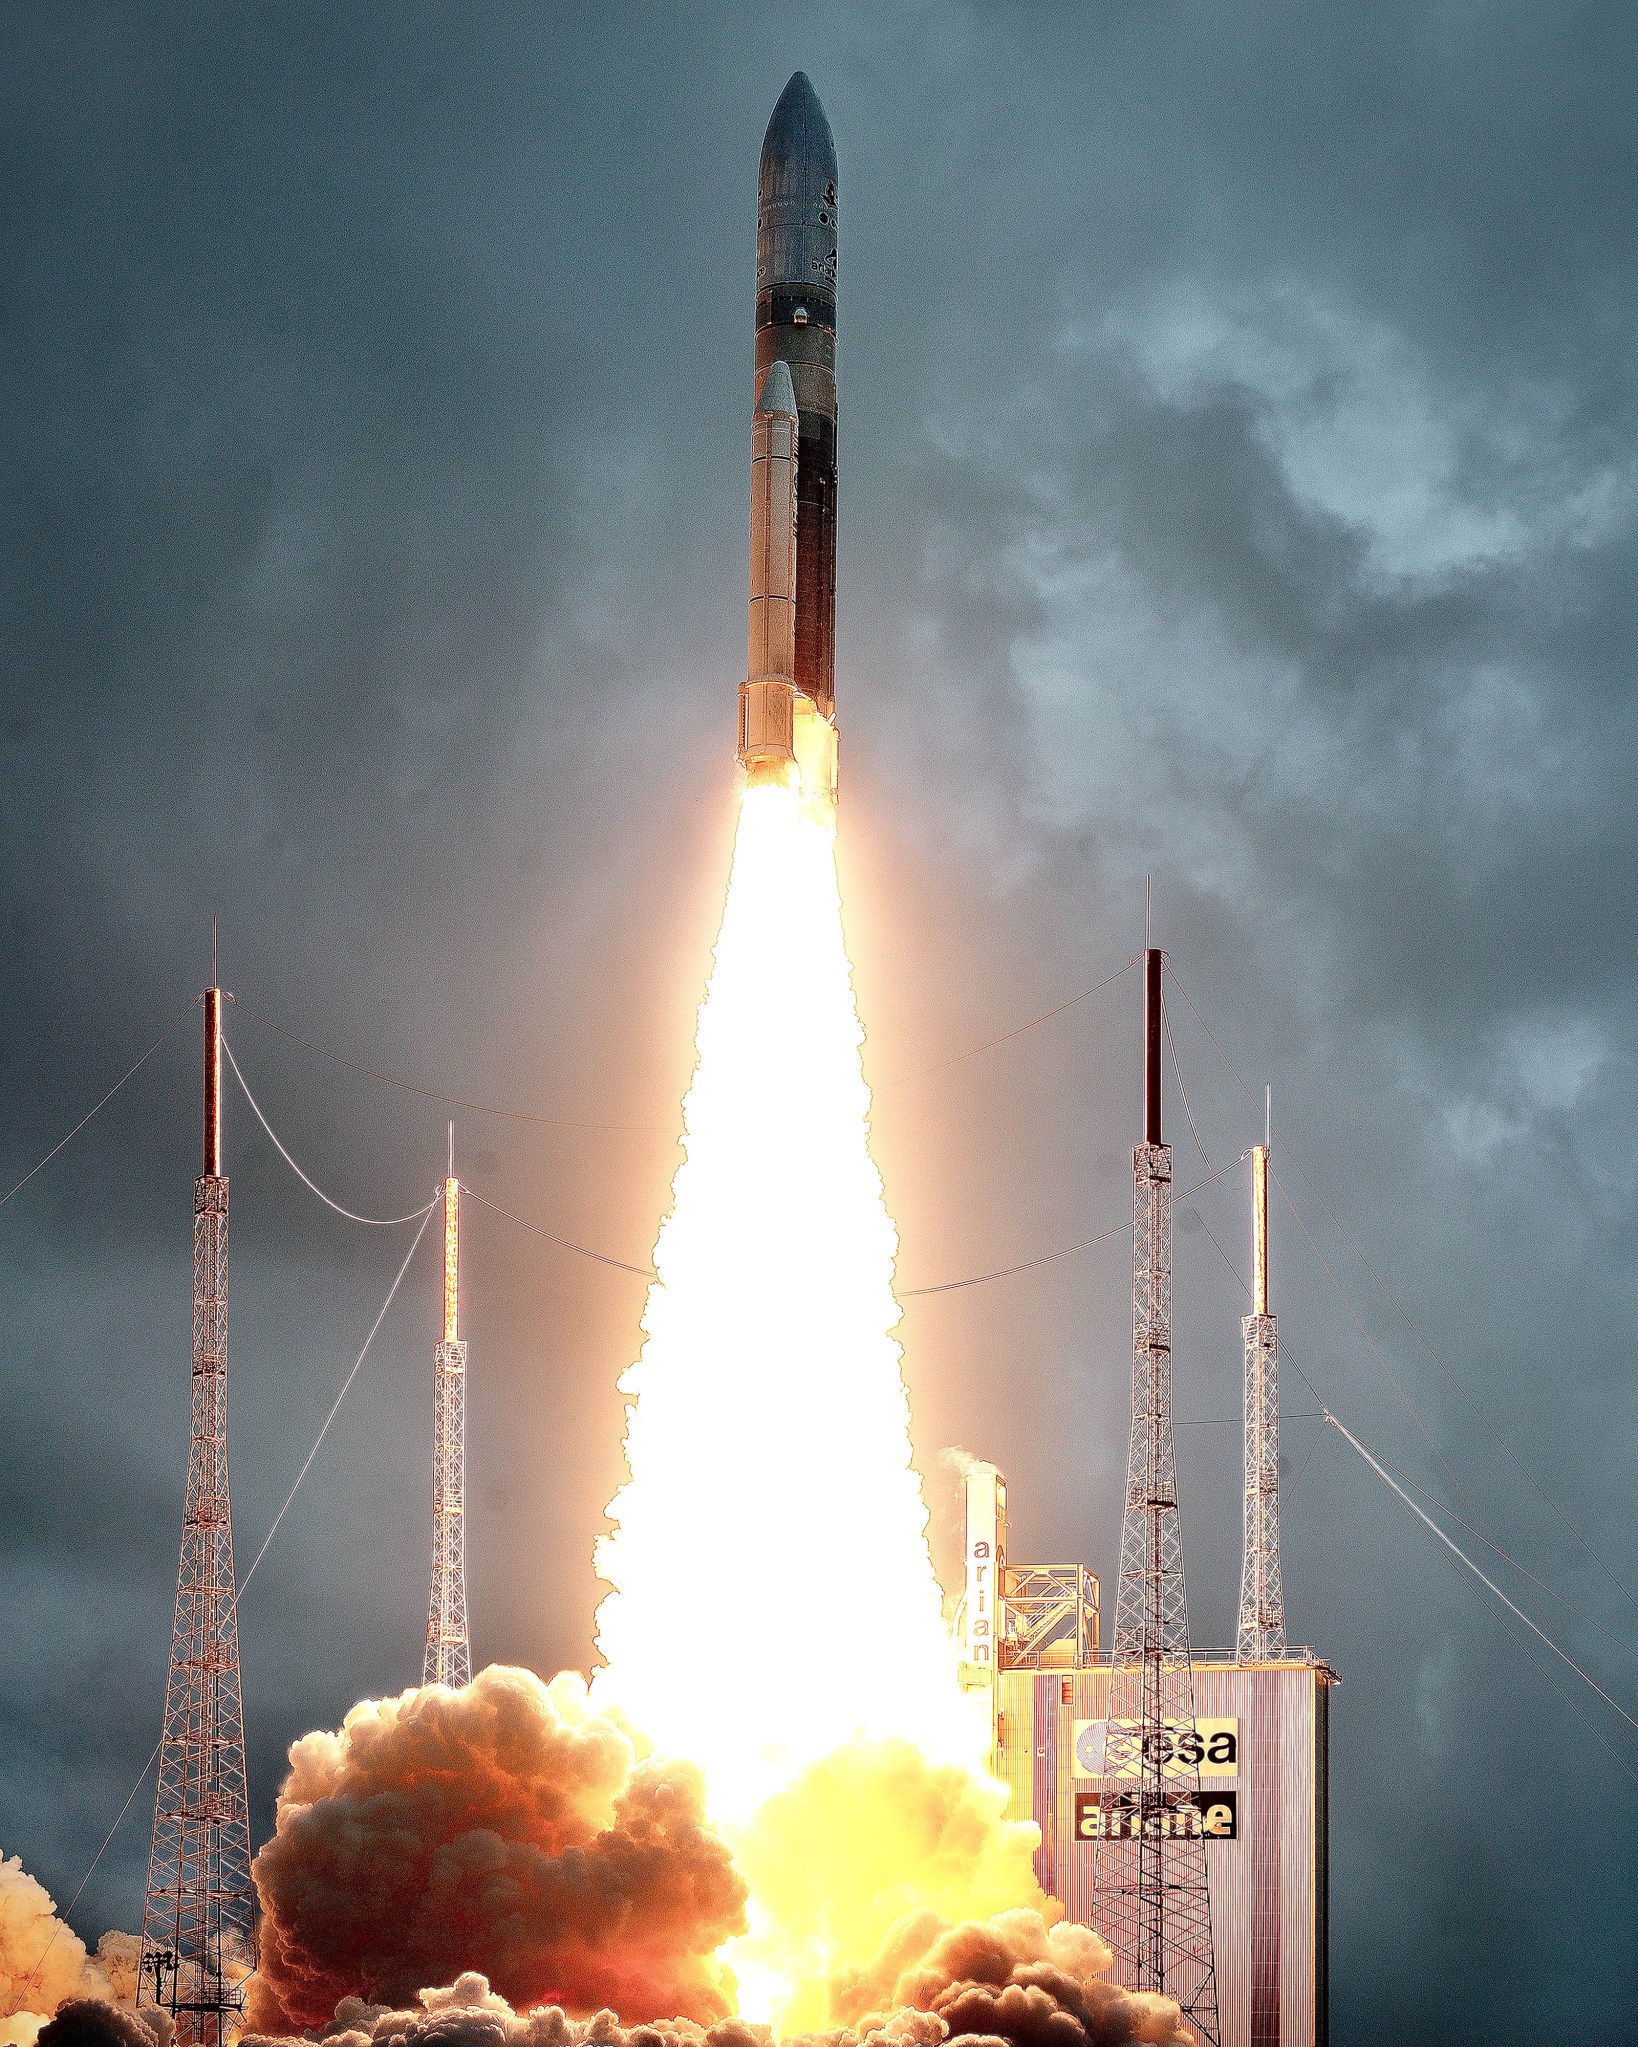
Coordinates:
[1262,1611]
[1150,1870]
[199,1918]
[1140,1769]
[449,1656]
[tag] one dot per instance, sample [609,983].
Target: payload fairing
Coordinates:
[787,716]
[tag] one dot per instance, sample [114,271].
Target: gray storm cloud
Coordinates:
[1237,487]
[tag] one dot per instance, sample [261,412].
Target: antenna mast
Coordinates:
[1262,1610]
[1149,1873]
[448,1657]
[199,1917]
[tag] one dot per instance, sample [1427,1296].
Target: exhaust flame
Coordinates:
[774,1599]
[774,1596]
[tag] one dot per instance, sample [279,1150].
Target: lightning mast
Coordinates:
[448,1654]
[1149,1870]
[199,1917]
[1262,1611]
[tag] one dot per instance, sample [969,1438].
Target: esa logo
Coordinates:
[1210,1746]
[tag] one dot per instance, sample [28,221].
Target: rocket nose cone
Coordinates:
[798,130]
[796,201]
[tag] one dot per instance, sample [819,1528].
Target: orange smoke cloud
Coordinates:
[508,1828]
[43,1960]
[1012,1978]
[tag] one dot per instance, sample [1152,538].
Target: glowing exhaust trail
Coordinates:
[774,1595]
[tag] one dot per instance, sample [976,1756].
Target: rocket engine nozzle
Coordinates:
[767,729]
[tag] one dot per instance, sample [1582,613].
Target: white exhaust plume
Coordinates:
[773,1592]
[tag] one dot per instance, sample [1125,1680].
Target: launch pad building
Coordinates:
[1029,1637]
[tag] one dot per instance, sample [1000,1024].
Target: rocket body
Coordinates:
[796,245]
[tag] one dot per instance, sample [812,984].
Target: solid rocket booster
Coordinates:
[767,701]
[796,240]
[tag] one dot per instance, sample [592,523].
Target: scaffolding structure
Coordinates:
[1049,1617]
[448,1658]
[1262,1609]
[199,1915]
[1149,1873]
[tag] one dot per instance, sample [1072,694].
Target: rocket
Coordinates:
[787,704]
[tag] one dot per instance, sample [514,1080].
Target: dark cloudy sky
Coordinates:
[1239,486]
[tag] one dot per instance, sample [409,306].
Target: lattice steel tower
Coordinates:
[199,1918]
[1150,1858]
[449,1657]
[1262,1611]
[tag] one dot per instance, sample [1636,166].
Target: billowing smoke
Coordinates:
[1010,1979]
[43,1960]
[93,2022]
[507,1828]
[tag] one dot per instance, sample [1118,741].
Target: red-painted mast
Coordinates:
[199,1918]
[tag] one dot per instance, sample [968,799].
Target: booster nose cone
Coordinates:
[777,393]
[796,209]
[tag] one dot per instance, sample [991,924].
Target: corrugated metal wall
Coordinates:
[1268,1886]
